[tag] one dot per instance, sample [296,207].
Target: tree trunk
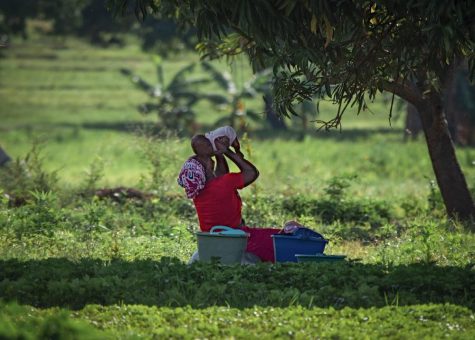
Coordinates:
[453,187]
[413,125]
[452,184]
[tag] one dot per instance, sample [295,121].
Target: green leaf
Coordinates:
[313,24]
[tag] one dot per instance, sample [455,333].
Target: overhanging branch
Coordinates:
[405,91]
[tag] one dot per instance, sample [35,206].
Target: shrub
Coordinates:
[40,215]
[364,215]
[19,322]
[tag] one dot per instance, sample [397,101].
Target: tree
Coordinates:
[13,15]
[412,124]
[163,37]
[361,47]
[459,106]
[65,14]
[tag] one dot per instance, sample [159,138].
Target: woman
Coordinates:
[215,194]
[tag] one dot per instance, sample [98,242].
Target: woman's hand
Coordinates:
[236,145]
[221,146]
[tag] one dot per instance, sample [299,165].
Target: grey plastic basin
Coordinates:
[229,249]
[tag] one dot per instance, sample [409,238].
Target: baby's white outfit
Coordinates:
[227,131]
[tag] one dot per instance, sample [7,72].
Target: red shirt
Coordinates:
[219,203]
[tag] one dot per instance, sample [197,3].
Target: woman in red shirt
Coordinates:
[215,193]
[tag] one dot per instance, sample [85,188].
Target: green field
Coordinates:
[74,97]
[76,264]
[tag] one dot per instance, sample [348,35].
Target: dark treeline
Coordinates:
[92,21]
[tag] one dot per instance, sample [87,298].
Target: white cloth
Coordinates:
[227,131]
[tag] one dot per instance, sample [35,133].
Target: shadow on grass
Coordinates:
[259,134]
[349,134]
[169,282]
[124,126]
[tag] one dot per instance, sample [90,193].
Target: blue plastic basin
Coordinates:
[319,258]
[286,246]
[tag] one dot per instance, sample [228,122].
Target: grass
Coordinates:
[130,322]
[98,268]
[289,166]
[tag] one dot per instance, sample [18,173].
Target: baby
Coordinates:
[200,167]
[225,135]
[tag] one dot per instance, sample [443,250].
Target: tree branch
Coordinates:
[405,91]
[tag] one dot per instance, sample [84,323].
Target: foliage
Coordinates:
[172,101]
[114,250]
[93,175]
[40,216]
[21,177]
[160,153]
[314,45]
[169,282]
[132,321]
[13,17]
[91,19]
[342,43]
[335,205]
[66,15]
[164,37]
[17,322]
[421,241]
[234,98]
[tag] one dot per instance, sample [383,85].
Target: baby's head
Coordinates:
[201,146]
[223,140]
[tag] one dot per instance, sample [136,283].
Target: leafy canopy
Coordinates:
[356,45]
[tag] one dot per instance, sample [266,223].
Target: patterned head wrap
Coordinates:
[192,177]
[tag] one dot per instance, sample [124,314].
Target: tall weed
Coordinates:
[161,156]
[23,176]
[93,175]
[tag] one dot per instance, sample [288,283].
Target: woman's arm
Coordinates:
[222,167]
[248,170]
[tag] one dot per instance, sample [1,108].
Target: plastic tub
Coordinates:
[227,245]
[286,246]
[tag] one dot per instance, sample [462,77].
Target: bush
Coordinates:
[357,218]
[41,215]
[335,205]
[17,322]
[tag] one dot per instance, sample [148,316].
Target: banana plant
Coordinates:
[233,98]
[172,101]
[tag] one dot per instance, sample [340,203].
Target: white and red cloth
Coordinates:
[192,177]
